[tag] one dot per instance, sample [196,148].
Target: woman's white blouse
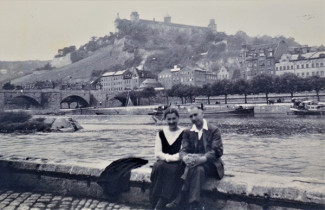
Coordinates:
[171,137]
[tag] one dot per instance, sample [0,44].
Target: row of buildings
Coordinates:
[128,79]
[277,59]
[133,78]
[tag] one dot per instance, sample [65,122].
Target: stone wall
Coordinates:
[235,190]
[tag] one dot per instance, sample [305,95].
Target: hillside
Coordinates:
[13,69]
[83,70]
[136,45]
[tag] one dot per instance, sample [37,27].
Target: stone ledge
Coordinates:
[244,184]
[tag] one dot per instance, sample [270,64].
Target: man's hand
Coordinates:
[192,160]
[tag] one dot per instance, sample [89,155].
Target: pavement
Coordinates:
[38,201]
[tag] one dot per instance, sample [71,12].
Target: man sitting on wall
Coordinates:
[201,151]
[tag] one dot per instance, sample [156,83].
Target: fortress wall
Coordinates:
[235,190]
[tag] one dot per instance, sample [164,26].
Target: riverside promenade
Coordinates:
[47,185]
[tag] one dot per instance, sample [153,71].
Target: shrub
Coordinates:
[14,117]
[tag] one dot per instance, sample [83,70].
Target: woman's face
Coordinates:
[172,120]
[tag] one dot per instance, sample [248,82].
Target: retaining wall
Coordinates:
[235,190]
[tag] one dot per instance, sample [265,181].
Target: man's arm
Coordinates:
[185,145]
[216,150]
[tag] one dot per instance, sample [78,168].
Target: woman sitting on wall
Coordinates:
[167,171]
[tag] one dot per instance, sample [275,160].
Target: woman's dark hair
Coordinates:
[171,111]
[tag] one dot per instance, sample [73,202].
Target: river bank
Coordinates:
[280,108]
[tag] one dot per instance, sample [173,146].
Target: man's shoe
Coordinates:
[161,204]
[196,206]
[175,203]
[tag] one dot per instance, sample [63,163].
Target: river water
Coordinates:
[272,144]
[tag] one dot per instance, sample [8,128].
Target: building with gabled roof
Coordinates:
[257,59]
[121,80]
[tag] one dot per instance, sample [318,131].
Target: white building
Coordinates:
[223,73]
[303,65]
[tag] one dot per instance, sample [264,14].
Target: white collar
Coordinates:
[205,127]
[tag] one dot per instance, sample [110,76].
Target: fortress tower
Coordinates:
[134,16]
[212,25]
[167,19]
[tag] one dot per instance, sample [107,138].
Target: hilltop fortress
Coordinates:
[168,25]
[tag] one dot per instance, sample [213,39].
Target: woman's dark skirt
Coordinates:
[166,180]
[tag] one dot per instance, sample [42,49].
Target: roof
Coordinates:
[172,24]
[114,73]
[310,55]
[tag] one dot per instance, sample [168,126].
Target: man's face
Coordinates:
[196,116]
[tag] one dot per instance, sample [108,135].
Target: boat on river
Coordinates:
[158,112]
[307,108]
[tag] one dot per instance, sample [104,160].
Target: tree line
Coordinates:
[262,83]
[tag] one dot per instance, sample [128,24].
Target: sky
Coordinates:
[36,29]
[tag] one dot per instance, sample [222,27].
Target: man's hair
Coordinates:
[193,107]
[171,111]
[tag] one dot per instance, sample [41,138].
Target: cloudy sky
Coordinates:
[33,30]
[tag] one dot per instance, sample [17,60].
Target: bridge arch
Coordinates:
[24,101]
[75,101]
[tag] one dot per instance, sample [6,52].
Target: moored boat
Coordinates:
[158,113]
[307,108]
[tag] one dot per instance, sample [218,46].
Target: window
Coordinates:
[316,64]
[291,66]
[280,68]
[307,66]
[297,66]
[312,65]
[321,64]
[302,66]
[288,67]
[276,68]
[307,74]
[322,73]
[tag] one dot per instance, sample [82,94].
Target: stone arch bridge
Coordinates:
[51,99]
